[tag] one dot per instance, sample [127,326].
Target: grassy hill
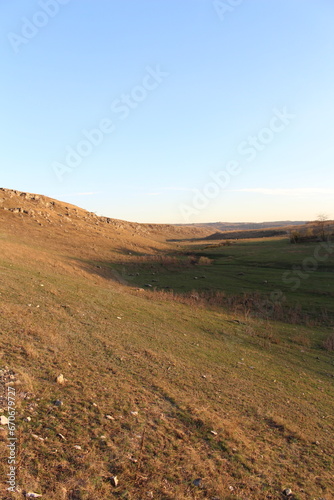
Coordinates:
[176,397]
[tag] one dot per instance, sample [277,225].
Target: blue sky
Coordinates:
[171,110]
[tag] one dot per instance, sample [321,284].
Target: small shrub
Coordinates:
[204,261]
[302,340]
[329,343]
[295,236]
[192,260]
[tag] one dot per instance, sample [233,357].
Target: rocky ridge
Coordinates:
[45,211]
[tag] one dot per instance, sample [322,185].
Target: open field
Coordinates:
[291,274]
[158,392]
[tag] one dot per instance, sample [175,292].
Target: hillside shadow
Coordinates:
[135,264]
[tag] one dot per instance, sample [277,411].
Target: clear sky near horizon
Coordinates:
[171,110]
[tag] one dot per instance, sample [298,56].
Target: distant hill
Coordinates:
[233,235]
[243,226]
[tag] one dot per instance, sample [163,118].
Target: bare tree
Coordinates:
[321,223]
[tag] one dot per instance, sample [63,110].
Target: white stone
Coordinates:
[60,379]
[114,481]
[3,420]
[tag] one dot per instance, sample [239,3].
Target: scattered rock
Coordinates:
[77,447]
[214,433]
[287,492]
[109,417]
[37,437]
[61,436]
[114,481]
[3,420]
[197,482]
[27,419]
[60,379]
[31,494]
[58,402]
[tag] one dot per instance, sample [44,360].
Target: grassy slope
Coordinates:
[186,372]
